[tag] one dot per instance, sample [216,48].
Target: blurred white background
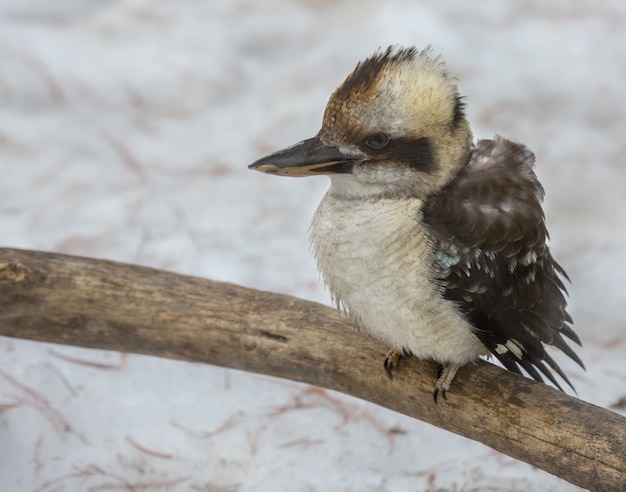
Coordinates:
[126,127]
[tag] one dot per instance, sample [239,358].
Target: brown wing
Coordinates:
[490,236]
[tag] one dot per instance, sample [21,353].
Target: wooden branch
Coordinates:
[106,305]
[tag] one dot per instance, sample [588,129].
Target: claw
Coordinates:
[436,393]
[391,362]
[445,376]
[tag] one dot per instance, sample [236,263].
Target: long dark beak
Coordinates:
[307,158]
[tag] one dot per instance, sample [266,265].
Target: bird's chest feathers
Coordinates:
[375,258]
[364,246]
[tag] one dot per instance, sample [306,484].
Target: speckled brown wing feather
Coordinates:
[492,258]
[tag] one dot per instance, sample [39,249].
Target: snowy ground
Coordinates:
[125,131]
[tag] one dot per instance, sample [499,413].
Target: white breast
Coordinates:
[375,257]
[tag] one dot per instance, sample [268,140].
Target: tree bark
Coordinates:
[106,305]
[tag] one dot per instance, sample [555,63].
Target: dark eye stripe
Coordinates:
[416,153]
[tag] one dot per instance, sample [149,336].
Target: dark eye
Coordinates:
[377,141]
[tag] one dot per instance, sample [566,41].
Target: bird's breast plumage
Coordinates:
[376,258]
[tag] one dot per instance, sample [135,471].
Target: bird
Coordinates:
[429,241]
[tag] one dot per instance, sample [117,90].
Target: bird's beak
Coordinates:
[307,158]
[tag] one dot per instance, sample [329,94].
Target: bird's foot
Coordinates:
[391,362]
[445,376]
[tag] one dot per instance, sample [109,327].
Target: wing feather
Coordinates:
[490,234]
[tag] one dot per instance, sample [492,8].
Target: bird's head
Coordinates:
[395,127]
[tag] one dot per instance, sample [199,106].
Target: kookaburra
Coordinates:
[432,243]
